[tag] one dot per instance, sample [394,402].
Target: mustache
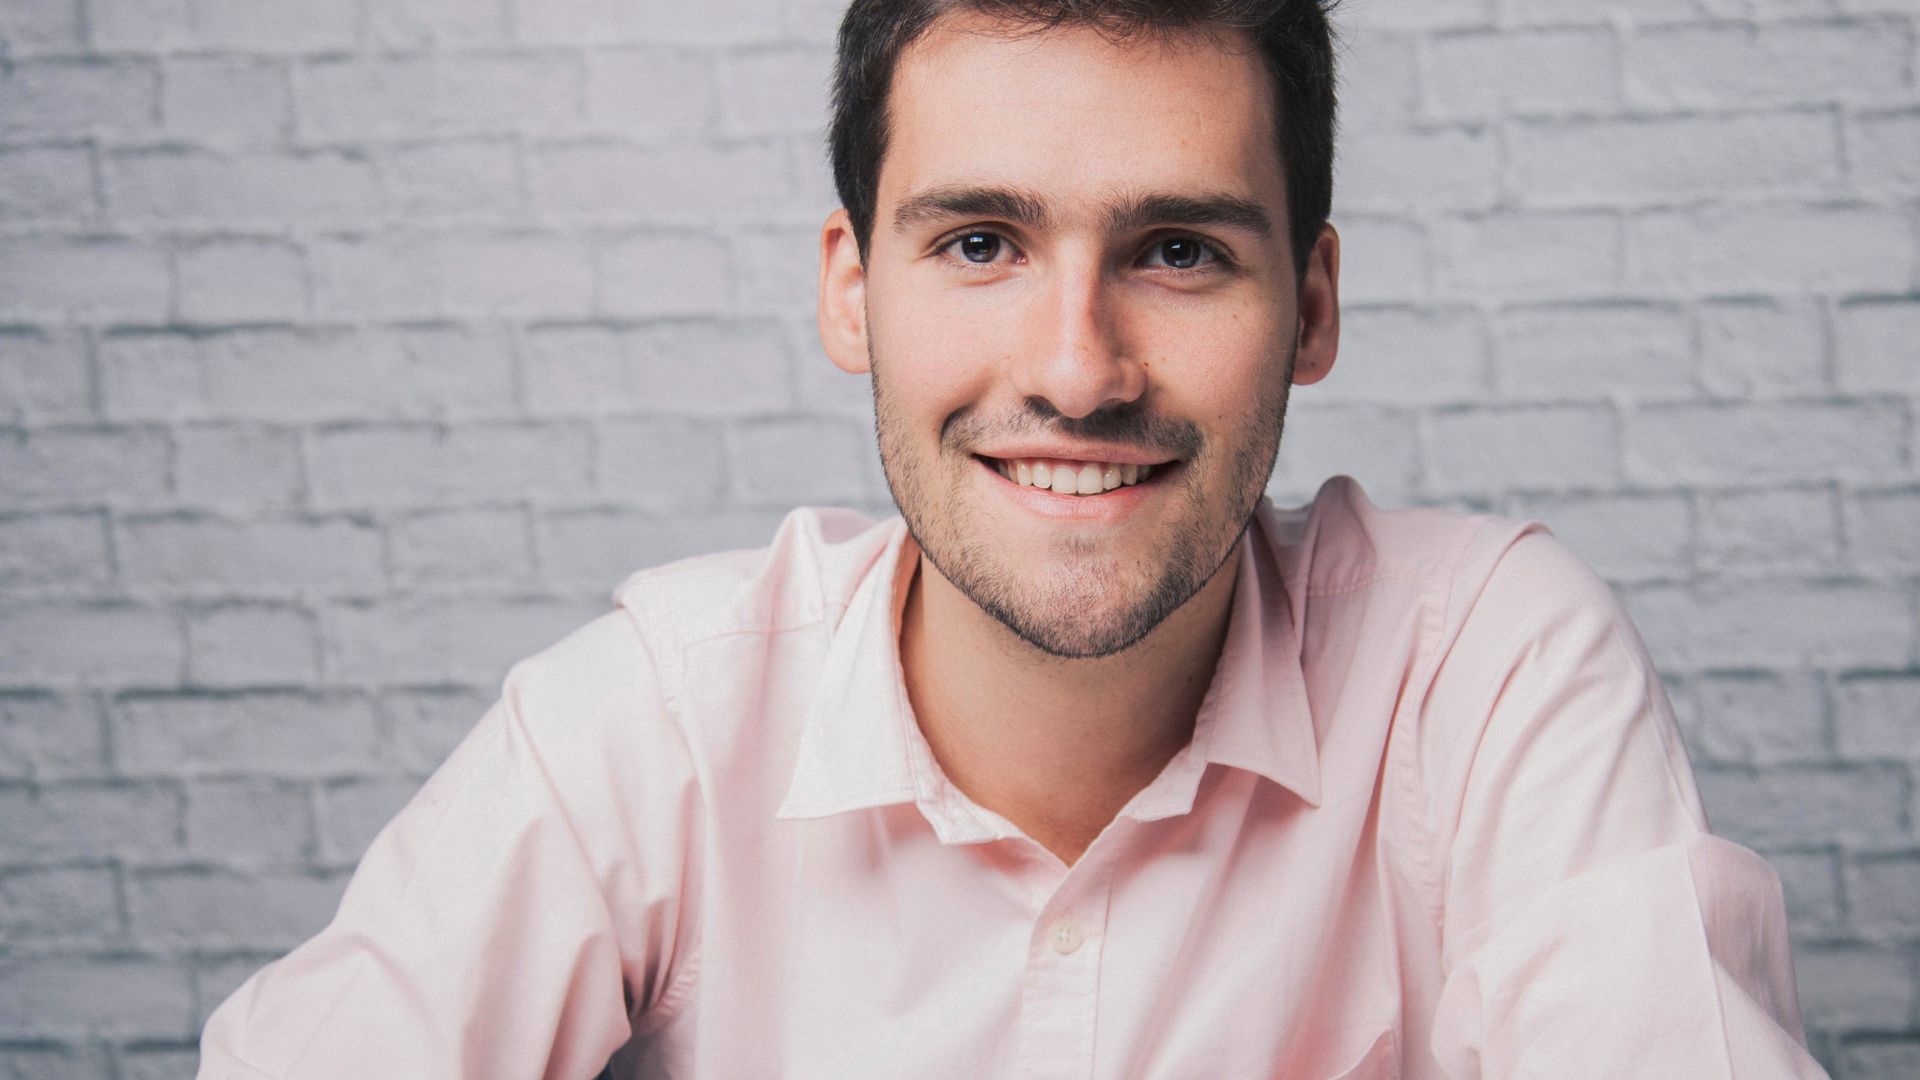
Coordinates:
[1129,423]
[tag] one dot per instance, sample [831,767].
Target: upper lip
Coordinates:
[1104,454]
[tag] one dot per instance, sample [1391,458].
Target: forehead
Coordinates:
[1078,116]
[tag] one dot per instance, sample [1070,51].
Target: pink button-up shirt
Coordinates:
[1435,821]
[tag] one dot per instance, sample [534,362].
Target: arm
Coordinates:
[476,937]
[1592,926]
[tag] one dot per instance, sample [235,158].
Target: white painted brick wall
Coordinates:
[351,350]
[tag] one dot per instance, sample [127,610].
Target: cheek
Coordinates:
[933,355]
[1217,367]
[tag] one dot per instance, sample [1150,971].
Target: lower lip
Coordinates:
[1108,507]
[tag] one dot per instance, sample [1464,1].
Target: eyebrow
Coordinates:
[1122,215]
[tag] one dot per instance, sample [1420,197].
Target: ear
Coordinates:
[1319,335]
[843,296]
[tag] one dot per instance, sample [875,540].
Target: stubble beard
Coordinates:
[1078,601]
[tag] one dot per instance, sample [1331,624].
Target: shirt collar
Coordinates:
[860,746]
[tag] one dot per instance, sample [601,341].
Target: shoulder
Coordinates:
[816,559]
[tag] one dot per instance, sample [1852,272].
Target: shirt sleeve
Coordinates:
[1591,924]
[476,938]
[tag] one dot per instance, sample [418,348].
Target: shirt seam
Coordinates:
[671,666]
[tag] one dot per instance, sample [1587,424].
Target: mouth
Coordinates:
[1082,479]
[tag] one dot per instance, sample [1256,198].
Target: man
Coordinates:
[1094,765]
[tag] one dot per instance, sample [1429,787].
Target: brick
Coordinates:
[1883,153]
[149,1061]
[1379,79]
[253,821]
[1881,1061]
[1763,348]
[596,549]
[1747,444]
[1851,988]
[804,461]
[1729,65]
[663,275]
[1874,346]
[490,548]
[42,183]
[278,734]
[210,908]
[1378,447]
[596,21]
[462,179]
[1528,256]
[42,1061]
[57,904]
[611,182]
[202,556]
[228,281]
[84,278]
[399,276]
[1652,162]
[1741,248]
[1458,169]
[432,641]
[317,25]
[776,91]
[1623,537]
[1594,352]
[1773,530]
[1410,356]
[1883,894]
[43,376]
[216,978]
[236,646]
[1765,624]
[352,814]
[649,95]
[424,94]
[1382,260]
[53,553]
[101,821]
[248,188]
[52,99]
[684,368]
[822,388]
[237,468]
[114,997]
[1803,805]
[662,465]
[779,270]
[411,466]
[1427,15]
[1547,448]
[1485,75]
[1811,885]
[428,724]
[53,644]
[1877,717]
[230,99]
[426,24]
[1883,530]
[31,25]
[308,374]
[69,466]
[1756,719]
[49,737]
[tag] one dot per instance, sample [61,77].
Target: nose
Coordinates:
[1073,353]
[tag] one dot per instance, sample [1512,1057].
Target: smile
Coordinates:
[1063,477]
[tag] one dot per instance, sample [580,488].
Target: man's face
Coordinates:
[1080,314]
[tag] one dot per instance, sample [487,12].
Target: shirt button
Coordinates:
[1065,937]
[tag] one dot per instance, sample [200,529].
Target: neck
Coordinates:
[1055,746]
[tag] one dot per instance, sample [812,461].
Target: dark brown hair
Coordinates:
[1293,38]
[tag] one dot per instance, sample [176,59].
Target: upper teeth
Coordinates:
[1071,477]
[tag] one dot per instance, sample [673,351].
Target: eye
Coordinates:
[978,247]
[1182,252]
